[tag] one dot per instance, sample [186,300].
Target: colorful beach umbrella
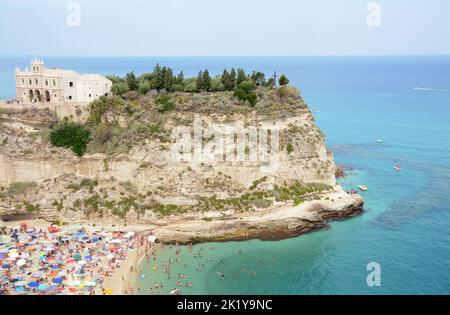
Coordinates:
[57,280]
[33,284]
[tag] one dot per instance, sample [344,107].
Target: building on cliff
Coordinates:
[40,84]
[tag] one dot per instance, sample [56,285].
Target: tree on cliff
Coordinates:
[283,81]
[229,79]
[258,78]
[245,92]
[241,76]
[132,82]
[204,81]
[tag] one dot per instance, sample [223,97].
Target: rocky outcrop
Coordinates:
[183,200]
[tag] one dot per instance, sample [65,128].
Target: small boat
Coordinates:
[155,267]
[397,168]
[379,141]
[363,188]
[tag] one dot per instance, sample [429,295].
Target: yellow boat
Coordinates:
[155,267]
[363,188]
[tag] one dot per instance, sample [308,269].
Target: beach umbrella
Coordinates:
[42,287]
[82,262]
[24,255]
[20,283]
[33,284]
[38,274]
[89,283]
[57,280]
[6,266]
[110,256]
[52,288]
[20,289]
[54,267]
[4,239]
[2,256]
[21,262]
[77,257]
[13,255]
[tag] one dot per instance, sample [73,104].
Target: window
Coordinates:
[90,95]
[37,82]
[23,81]
[30,81]
[70,97]
[71,84]
[54,82]
[46,82]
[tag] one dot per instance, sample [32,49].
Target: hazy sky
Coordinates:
[224,27]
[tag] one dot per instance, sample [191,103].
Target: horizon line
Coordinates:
[226,56]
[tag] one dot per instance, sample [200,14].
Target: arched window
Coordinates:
[54,82]
[37,82]
[46,82]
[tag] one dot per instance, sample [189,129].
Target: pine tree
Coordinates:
[168,78]
[283,80]
[207,81]
[258,78]
[180,77]
[158,77]
[232,79]
[132,82]
[200,81]
[241,76]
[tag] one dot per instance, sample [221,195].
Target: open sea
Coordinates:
[403,101]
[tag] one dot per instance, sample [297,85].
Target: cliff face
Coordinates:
[147,185]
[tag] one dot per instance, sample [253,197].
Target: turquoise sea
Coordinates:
[404,101]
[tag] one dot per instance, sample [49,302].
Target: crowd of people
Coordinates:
[61,261]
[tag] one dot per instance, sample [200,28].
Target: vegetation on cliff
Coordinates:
[163,78]
[70,135]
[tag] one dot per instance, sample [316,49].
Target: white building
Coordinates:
[40,84]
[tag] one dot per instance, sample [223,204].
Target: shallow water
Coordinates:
[404,101]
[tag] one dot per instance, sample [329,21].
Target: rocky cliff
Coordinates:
[129,173]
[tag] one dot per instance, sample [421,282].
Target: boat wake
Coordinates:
[431,89]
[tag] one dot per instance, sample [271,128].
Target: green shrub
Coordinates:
[153,129]
[120,88]
[289,148]
[72,136]
[245,92]
[18,188]
[145,86]
[165,103]
[31,208]
[87,182]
